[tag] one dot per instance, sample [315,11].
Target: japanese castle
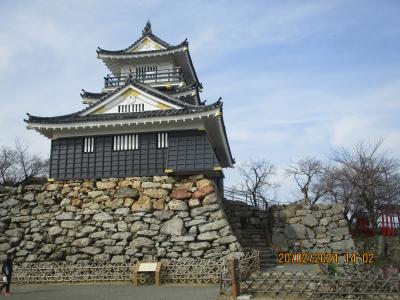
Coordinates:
[147,120]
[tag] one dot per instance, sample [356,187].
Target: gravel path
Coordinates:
[112,291]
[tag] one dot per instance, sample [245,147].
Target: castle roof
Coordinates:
[141,86]
[78,117]
[113,59]
[146,33]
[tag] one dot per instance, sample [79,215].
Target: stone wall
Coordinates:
[117,220]
[386,248]
[319,228]
[245,217]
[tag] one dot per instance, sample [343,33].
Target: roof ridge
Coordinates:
[76,116]
[146,32]
[140,85]
[86,94]
[156,91]
[189,87]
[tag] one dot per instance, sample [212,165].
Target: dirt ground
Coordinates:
[112,291]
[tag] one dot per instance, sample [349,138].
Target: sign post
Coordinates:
[147,267]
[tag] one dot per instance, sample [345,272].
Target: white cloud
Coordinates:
[274,112]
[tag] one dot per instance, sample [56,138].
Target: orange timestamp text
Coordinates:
[325,258]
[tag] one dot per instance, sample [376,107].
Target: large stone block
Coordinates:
[298,232]
[143,204]
[203,183]
[155,193]
[202,192]
[163,214]
[126,192]
[208,236]
[150,185]
[341,231]
[199,246]
[147,232]
[180,194]
[173,227]
[48,248]
[121,235]
[54,230]
[159,204]
[91,250]
[70,224]
[139,225]
[210,199]
[20,219]
[52,187]
[107,185]
[310,221]
[204,209]
[4,247]
[177,205]
[325,221]
[66,216]
[216,225]
[113,249]
[80,243]
[102,217]
[123,211]
[185,238]
[226,239]
[95,194]
[141,242]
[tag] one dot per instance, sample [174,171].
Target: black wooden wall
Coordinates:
[188,151]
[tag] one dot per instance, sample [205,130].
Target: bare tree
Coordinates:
[309,175]
[341,190]
[258,181]
[19,166]
[372,175]
[7,163]
[29,165]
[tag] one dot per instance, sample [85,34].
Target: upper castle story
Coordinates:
[154,62]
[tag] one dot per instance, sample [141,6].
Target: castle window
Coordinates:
[126,142]
[127,108]
[147,72]
[88,144]
[162,140]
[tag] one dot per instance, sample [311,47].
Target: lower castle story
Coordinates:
[127,155]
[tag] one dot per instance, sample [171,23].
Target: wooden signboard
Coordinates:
[147,267]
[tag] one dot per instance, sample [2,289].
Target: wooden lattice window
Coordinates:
[88,144]
[162,140]
[127,108]
[126,142]
[146,72]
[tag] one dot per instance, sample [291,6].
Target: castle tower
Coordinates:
[147,120]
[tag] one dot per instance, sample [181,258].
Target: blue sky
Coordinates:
[298,78]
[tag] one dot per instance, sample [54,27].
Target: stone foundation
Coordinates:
[117,220]
[319,228]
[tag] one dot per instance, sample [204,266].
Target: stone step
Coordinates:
[268,255]
[253,238]
[254,246]
[268,260]
[250,241]
[247,234]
